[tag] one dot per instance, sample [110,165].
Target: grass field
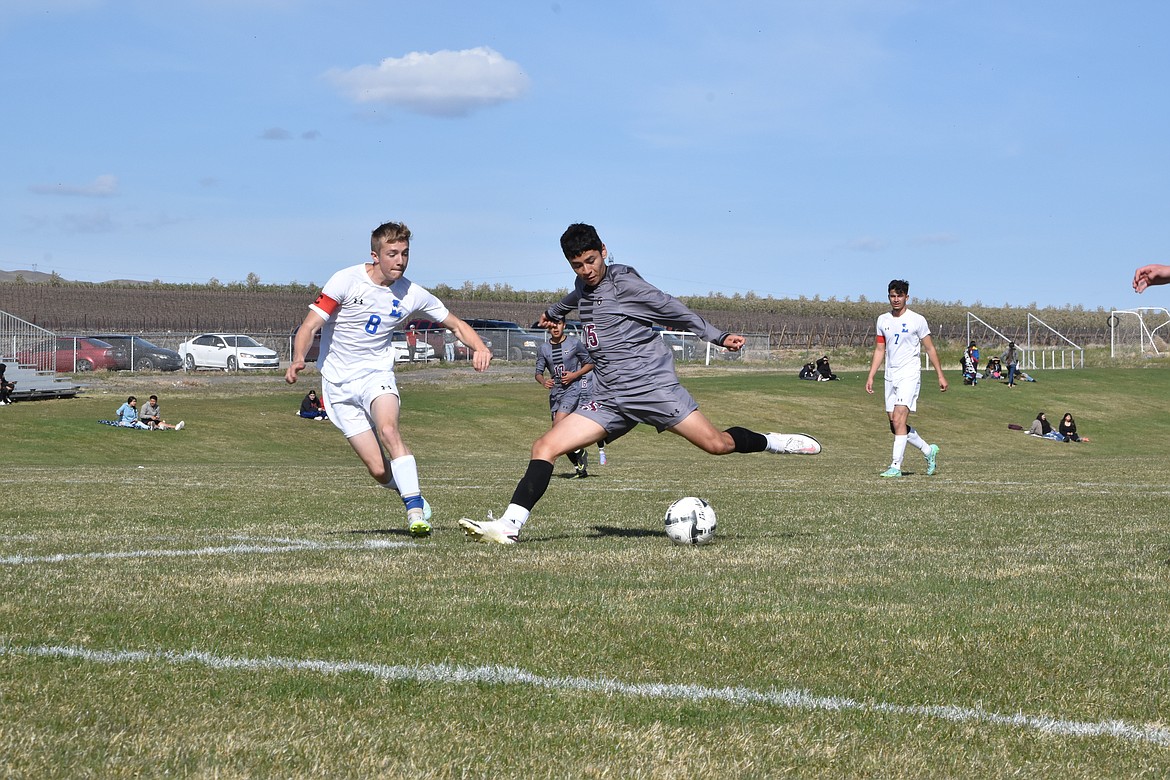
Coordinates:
[238,600]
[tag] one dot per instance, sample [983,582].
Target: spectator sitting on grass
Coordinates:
[127,415]
[1041,427]
[1068,428]
[312,407]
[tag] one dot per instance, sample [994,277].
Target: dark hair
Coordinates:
[132,398]
[580,238]
[154,398]
[900,286]
[1039,415]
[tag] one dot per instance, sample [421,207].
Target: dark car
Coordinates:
[509,340]
[75,353]
[143,355]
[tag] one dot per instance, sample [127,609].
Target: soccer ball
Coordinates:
[690,521]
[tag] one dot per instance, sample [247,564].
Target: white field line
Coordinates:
[282,546]
[503,675]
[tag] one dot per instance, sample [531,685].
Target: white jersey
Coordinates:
[360,318]
[903,339]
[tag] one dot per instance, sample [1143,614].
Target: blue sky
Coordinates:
[999,152]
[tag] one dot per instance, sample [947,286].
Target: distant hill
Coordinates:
[40,277]
[32,277]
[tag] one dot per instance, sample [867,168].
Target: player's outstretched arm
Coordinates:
[481,356]
[1149,275]
[304,339]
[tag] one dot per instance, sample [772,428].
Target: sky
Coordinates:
[989,151]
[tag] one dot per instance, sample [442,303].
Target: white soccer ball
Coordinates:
[690,520]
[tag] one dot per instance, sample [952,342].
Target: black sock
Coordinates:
[748,441]
[575,457]
[533,484]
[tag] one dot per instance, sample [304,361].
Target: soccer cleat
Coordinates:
[490,530]
[582,467]
[792,444]
[181,425]
[932,460]
[418,524]
[892,472]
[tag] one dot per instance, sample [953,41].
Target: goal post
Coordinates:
[1139,332]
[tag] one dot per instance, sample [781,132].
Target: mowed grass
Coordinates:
[916,616]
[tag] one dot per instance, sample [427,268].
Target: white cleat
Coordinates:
[792,444]
[490,530]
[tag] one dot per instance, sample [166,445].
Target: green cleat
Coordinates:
[932,460]
[419,520]
[891,472]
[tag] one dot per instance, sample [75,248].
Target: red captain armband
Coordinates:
[881,338]
[326,304]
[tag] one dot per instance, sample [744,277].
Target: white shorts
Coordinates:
[903,391]
[348,405]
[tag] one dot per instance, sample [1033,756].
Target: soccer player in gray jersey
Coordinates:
[633,378]
[568,363]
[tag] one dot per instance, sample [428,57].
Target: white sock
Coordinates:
[516,515]
[899,451]
[405,475]
[914,440]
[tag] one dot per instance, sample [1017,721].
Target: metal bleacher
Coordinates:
[19,337]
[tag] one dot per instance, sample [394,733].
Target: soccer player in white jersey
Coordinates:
[633,378]
[901,336]
[357,312]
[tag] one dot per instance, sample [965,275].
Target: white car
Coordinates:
[422,350]
[229,351]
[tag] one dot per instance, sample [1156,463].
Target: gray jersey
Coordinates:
[627,354]
[559,359]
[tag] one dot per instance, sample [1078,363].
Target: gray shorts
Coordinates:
[566,401]
[662,407]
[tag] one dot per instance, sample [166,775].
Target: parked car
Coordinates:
[509,340]
[71,354]
[143,355]
[434,334]
[422,349]
[229,351]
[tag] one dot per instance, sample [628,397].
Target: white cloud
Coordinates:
[937,239]
[443,83]
[102,187]
[868,244]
